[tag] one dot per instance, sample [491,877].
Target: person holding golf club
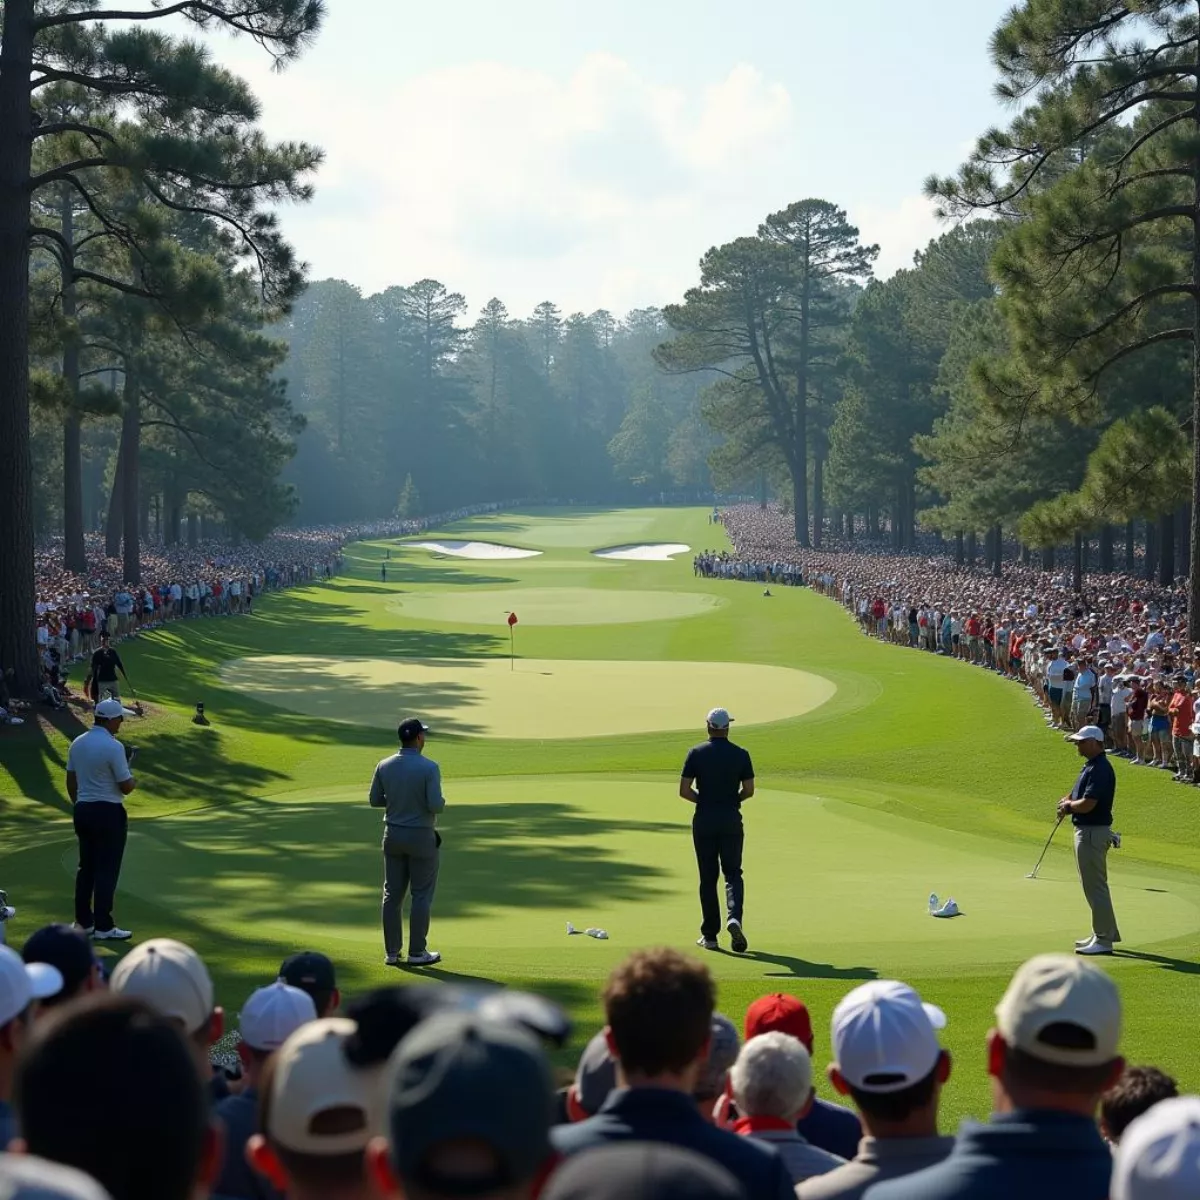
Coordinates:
[717,777]
[1090,807]
[102,678]
[98,780]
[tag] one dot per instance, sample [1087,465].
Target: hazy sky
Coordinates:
[589,153]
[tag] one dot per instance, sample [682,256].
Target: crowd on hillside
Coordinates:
[75,612]
[1116,654]
[109,1089]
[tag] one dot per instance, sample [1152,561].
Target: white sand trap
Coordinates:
[475,549]
[648,552]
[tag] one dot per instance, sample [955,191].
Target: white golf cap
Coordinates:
[1060,989]
[170,977]
[107,709]
[273,1014]
[884,1036]
[22,983]
[1089,733]
[312,1076]
[719,718]
[1159,1154]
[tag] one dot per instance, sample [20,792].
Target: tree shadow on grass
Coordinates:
[323,861]
[196,768]
[37,763]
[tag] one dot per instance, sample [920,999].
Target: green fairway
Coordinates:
[883,775]
[546,698]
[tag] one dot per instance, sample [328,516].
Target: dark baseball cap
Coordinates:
[410,727]
[311,972]
[595,1077]
[457,1077]
[642,1171]
[64,948]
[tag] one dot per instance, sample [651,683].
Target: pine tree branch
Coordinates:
[1165,335]
[118,285]
[90,131]
[1166,289]
[186,7]
[1143,138]
[64,249]
[66,171]
[1142,176]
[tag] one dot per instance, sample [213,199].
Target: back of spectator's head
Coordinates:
[470,1105]
[642,1171]
[172,978]
[1138,1090]
[722,1054]
[272,1014]
[110,1087]
[1058,1033]
[71,953]
[659,1005]
[886,1054]
[316,1112]
[772,1077]
[595,1079]
[313,972]
[24,1177]
[1159,1156]
[778,1013]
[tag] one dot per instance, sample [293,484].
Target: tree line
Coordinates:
[1033,376]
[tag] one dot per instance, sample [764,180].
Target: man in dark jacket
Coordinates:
[658,1006]
[1051,1056]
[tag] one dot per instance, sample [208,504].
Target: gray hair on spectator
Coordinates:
[772,1076]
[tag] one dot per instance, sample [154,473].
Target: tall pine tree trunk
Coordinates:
[193,534]
[997,551]
[74,553]
[1077,565]
[1194,573]
[1166,548]
[1183,531]
[1047,558]
[818,496]
[18,641]
[800,462]
[959,552]
[112,524]
[1151,549]
[972,549]
[1106,549]
[1130,547]
[131,430]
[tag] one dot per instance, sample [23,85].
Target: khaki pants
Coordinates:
[1092,844]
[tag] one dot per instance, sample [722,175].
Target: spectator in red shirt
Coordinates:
[1181,710]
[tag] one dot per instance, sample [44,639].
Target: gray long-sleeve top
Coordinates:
[409,786]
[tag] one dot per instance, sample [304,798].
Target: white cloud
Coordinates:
[899,230]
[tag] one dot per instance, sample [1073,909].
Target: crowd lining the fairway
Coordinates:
[438,1092]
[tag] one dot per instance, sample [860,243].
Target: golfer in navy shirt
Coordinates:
[717,777]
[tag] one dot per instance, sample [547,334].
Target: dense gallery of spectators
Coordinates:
[108,1089]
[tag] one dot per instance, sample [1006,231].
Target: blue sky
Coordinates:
[590,153]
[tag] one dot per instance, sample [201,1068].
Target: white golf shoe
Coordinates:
[1093,948]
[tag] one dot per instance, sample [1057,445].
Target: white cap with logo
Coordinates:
[884,1036]
[1060,989]
[171,978]
[312,1076]
[719,718]
[22,983]
[1159,1154]
[273,1013]
[107,709]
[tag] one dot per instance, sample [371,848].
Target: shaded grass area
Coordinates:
[947,748]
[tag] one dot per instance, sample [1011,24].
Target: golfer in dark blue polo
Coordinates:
[717,777]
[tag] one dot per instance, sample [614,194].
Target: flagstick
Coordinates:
[512,653]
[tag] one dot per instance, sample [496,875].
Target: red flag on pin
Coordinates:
[512,618]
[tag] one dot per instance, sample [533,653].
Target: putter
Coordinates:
[1033,874]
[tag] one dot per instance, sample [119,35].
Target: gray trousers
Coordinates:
[1092,844]
[410,864]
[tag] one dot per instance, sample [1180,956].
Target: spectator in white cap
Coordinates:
[316,1113]
[98,780]
[1053,1054]
[22,985]
[23,1177]
[718,777]
[887,1059]
[773,1089]
[269,1017]
[1159,1157]
[173,980]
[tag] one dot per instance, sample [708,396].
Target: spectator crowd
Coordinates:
[108,1089]
[1114,655]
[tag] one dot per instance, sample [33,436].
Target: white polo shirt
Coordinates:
[98,760]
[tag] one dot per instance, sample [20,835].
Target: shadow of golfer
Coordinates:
[1182,966]
[801,968]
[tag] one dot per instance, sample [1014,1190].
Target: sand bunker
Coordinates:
[475,549]
[542,698]
[648,552]
[552,606]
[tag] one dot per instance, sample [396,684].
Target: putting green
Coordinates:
[552,606]
[825,888]
[541,698]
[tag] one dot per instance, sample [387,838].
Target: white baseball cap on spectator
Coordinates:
[22,983]
[273,1013]
[27,1177]
[884,1037]
[171,978]
[107,709]
[1089,733]
[719,718]
[1159,1154]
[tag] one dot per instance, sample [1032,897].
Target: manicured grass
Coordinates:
[253,837]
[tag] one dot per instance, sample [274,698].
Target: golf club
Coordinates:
[137,704]
[1033,874]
